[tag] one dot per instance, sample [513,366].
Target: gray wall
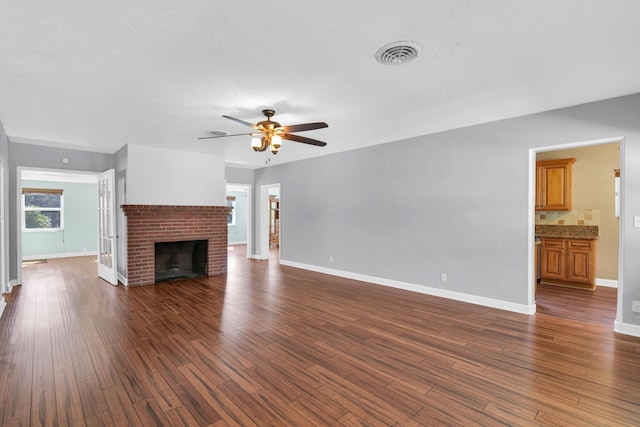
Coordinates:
[238,175]
[37,156]
[412,209]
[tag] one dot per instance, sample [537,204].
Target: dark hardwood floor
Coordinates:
[274,345]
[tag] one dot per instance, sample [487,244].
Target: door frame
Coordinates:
[107,227]
[263,206]
[249,189]
[19,171]
[531,216]
[4,226]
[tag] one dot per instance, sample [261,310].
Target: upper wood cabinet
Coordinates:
[553,185]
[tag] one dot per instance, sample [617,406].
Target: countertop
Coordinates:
[588,232]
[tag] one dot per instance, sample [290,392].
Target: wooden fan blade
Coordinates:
[242,122]
[304,126]
[303,139]
[224,136]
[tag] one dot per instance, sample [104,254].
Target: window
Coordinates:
[231,218]
[42,209]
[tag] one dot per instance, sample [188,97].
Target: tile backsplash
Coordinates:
[574,217]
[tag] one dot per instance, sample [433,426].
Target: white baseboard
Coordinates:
[626,328]
[64,255]
[607,283]
[237,243]
[3,304]
[457,296]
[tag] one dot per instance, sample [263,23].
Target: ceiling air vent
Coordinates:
[217,132]
[398,53]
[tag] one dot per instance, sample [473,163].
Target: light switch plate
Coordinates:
[636,221]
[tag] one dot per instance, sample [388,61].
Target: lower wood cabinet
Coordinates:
[568,262]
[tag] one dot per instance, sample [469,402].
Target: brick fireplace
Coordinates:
[149,224]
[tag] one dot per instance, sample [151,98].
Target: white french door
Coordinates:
[107,266]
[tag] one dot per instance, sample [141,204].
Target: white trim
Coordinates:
[607,283]
[64,255]
[262,249]
[4,228]
[236,243]
[3,304]
[626,328]
[618,326]
[38,209]
[122,279]
[250,225]
[19,172]
[427,290]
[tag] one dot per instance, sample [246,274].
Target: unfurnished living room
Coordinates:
[339,213]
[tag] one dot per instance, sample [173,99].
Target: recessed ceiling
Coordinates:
[99,75]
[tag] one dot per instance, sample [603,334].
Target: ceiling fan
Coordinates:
[270,134]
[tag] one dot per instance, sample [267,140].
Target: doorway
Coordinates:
[270,222]
[4,240]
[594,200]
[76,236]
[239,197]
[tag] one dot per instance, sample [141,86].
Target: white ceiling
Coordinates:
[97,75]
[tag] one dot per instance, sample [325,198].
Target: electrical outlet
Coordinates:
[331,258]
[636,221]
[635,306]
[443,277]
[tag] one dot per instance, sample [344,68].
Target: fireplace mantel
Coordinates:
[148,224]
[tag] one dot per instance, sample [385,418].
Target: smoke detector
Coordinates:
[398,53]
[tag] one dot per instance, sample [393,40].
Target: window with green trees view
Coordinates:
[42,209]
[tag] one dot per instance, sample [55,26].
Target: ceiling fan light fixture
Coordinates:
[256,142]
[397,53]
[269,134]
[275,143]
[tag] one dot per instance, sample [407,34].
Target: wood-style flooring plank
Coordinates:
[121,408]
[267,344]
[68,403]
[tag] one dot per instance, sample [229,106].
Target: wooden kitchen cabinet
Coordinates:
[581,261]
[568,262]
[553,184]
[552,259]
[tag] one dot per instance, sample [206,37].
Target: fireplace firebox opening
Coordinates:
[180,260]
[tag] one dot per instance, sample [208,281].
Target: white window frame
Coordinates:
[29,209]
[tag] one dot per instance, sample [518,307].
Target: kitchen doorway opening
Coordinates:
[600,158]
